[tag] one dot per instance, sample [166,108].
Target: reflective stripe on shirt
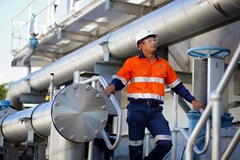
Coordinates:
[123,80]
[175,83]
[148,79]
[146,96]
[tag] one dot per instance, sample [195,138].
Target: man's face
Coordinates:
[149,44]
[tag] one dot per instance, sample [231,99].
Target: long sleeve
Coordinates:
[118,84]
[182,91]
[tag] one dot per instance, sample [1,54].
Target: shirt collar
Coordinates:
[143,56]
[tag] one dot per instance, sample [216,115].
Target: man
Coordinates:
[145,76]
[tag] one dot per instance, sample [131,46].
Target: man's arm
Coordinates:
[110,90]
[114,86]
[197,105]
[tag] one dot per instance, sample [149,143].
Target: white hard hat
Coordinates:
[143,34]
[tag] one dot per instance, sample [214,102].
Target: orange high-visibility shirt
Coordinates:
[145,80]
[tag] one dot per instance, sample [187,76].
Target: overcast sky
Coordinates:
[9,9]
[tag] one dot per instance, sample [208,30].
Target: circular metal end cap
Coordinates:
[79,112]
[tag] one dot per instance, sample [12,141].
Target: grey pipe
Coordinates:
[175,21]
[14,125]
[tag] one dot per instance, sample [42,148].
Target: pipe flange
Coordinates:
[79,113]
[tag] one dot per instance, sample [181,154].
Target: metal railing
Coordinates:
[49,13]
[213,107]
[93,80]
[118,110]
[21,24]
[184,133]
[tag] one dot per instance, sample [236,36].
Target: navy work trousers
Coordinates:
[139,116]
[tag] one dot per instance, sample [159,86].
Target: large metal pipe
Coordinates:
[17,125]
[175,21]
[41,119]
[78,113]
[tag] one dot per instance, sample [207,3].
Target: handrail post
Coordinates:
[147,143]
[175,124]
[216,125]
[29,19]
[229,71]
[197,130]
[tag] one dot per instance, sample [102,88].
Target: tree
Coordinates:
[3,90]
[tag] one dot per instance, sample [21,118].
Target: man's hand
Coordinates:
[197,105]
[109,90]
